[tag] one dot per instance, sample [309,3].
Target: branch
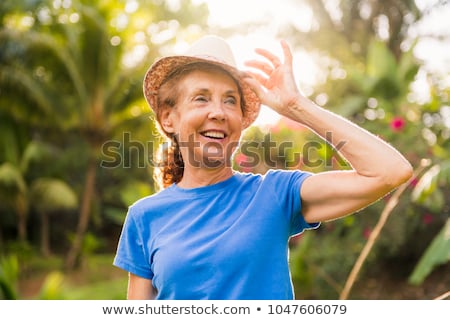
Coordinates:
[390,205]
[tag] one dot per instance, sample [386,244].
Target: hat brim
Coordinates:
[159,71]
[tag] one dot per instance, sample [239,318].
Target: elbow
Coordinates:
[399,174]
[405,173]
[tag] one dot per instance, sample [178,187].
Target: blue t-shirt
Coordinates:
[223,241]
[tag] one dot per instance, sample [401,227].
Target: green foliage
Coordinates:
[71,80]
[72,75]
[133,191]
[377,93]
[319,264]
[302,274]
[49,195]
[52,288]
[436,254]
[429,192]
[9,274]
[11,182]
[101,290]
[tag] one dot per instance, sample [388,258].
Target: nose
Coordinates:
[216,111]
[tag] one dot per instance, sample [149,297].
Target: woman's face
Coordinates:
[206,119]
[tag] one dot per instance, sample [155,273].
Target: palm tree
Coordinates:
[49,196]
[44,194]
[80,82]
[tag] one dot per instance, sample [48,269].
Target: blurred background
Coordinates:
[77,139]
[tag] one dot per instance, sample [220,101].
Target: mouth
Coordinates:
[214,134]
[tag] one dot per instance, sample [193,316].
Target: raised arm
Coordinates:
[378,168]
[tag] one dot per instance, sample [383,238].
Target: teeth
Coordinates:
[214,134]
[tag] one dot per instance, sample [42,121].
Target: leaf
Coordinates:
[52,287]
[437,253]
[115,215]
[35,151]
[9,142]
[427,191]
[11,181]
[134,191]
[435,201]
[408,66]
[351,105]
[9,273]
[380,61]
[426,185]
[49,194]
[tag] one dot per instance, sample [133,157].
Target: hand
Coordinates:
[276,86]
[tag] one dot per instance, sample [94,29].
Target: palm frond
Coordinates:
[35,151]
[11,179]
[23,81]
[50,194]
[13,188]
[44,42]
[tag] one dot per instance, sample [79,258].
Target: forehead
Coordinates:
[208,79]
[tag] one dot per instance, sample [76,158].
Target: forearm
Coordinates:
[367,154]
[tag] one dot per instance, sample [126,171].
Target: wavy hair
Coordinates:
[171,166]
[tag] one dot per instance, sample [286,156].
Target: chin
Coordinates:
[216,162]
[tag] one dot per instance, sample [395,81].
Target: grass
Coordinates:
[105,290]
[97,279]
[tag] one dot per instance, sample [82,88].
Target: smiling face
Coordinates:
[206,118]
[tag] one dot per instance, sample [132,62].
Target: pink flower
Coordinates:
[291,124]
[397,124]
[414,182]
[427,218]
[275,128]
[295,239]
[242,161]
[387,197]
[367,232]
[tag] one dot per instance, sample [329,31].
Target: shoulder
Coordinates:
[151,203]
[272,175]
[275,179]
[281,175]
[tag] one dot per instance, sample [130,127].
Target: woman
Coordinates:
[213,233]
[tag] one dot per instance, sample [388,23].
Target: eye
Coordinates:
[231,100]
[201,99]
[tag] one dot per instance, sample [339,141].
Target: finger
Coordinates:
[287,52]
[256,76]
[262,66]
[269,56]
[255,83]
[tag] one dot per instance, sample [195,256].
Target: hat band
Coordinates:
[213,58]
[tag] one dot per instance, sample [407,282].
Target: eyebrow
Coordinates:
[232,92]
[206,90]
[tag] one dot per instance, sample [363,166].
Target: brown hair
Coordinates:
[171,166]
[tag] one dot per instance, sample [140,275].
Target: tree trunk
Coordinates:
[85,214]
[45,234]
[22,213]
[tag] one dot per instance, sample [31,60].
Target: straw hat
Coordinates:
[209,49]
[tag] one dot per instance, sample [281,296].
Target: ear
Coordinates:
[166,120]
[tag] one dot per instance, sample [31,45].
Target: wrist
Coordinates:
[298,107]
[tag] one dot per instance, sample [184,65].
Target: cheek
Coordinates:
[187,125]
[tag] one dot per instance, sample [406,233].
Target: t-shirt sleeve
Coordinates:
[287,184]
[131,255]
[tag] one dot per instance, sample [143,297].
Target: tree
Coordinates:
[366,51]
[49,196]
[82,66]
[381,98]
[21,194]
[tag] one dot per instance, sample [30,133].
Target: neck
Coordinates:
[200,177]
